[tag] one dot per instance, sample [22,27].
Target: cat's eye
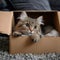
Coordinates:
[35,27]
[27,24]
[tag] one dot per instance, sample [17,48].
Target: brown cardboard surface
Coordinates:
[25,45]
[59,16]
[59,20]
[6,22]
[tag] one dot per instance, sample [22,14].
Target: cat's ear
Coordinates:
[40,20]
[22,16]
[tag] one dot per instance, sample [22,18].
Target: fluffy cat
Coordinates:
[28,25]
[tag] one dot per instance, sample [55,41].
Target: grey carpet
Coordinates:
[49,56]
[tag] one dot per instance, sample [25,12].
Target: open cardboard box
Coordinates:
[24,44]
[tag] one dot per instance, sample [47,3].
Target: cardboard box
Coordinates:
[24,44]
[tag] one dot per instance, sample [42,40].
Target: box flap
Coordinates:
[6,22]
[57,21]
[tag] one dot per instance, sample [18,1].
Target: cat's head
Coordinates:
[33,24]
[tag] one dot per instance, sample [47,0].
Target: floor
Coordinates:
[49,56]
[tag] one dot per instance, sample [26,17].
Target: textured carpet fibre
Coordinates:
[49,56]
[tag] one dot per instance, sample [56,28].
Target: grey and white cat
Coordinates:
[27,25]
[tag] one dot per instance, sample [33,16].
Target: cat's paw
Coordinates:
[35,37]
[16,34]
[34,40]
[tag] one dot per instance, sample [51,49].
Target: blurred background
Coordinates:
[8,5]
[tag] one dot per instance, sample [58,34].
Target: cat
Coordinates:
[50,31]
[28,25]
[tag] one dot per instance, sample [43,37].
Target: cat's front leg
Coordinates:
[17,33]
[35,37]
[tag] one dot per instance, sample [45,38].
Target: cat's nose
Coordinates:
[31,29]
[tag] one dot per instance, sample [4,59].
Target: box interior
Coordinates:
[50,18]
